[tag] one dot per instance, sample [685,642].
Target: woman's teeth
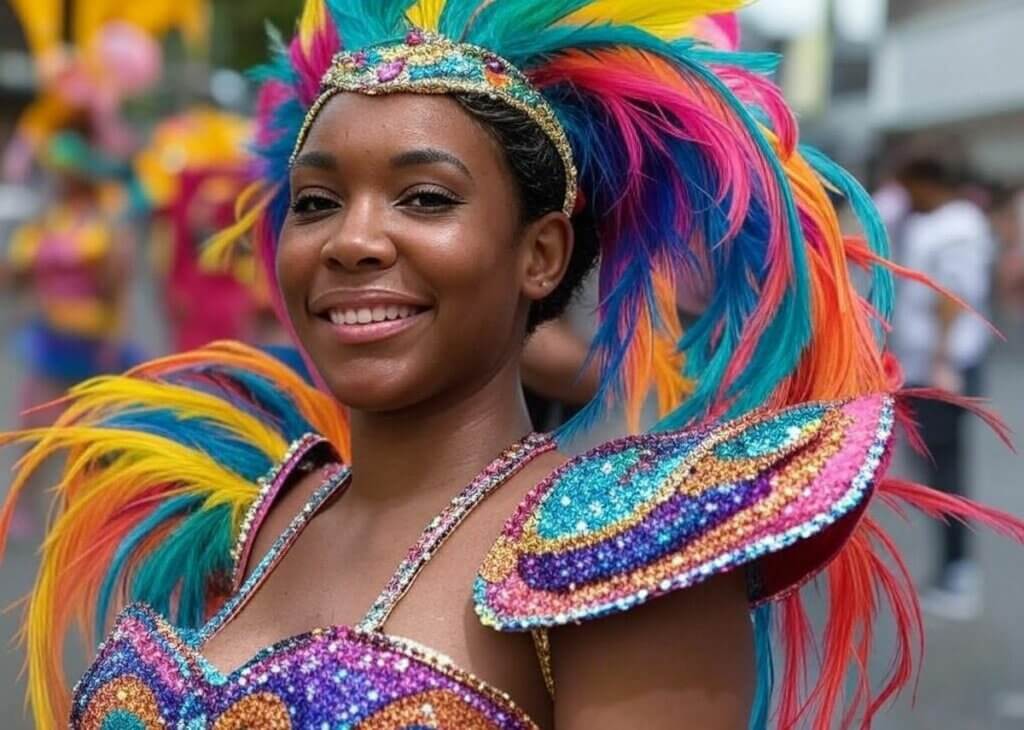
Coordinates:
[368,315]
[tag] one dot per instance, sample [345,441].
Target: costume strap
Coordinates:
[296,458]
[497,473]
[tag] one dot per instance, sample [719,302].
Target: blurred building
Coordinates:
[873,79]
[949,72]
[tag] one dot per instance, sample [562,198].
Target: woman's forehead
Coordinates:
[357,122]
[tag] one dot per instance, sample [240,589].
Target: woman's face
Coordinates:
[404,265]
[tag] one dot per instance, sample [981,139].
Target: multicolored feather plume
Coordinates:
[160,467]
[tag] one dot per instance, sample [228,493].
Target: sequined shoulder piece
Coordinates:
[643,516]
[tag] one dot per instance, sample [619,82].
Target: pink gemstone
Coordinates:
[359,58]
[390,71]
[414,38]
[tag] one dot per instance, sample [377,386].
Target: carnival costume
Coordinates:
[91,56]
[778,405]
[192,172]
[70,260]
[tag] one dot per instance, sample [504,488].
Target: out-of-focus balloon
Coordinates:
[129,58]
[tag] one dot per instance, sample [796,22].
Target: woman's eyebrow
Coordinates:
[429,156]
[317,160]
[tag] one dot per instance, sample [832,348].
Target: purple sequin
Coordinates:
[328,678]
[669,527]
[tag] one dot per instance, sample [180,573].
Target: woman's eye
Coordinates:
[312,204]
[430,200]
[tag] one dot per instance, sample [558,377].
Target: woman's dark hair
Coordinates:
[540,174]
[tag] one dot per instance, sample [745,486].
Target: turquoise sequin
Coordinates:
[581,501]
[122,720]
[772,436]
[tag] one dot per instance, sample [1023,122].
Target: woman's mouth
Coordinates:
[360,325]
[371,315]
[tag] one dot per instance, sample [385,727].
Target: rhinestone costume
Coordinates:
[628,521]
[640,517]
[148,674]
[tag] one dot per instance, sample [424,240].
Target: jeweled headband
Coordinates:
[428,63]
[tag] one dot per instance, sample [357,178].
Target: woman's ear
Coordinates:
[547,248]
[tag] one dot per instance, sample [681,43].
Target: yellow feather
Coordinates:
[668,19]
[313,18]
[108,473]
[217,251]
[426,14]
[320,409]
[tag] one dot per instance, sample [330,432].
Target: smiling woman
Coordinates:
[438,178]
[418,212]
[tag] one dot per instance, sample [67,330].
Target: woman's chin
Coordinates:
[374,396]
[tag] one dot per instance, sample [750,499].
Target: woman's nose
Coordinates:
[360,242]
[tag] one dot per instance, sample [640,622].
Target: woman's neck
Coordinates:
[437,446]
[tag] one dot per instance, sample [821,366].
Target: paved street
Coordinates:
[975,672]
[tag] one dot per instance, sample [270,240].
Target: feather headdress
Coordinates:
[692,156]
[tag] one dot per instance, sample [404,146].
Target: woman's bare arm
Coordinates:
[684,661]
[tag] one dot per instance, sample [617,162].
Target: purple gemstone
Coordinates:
[390,71]
[495,64]
[414,38]
[359,59]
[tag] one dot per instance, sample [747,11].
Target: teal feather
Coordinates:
[195,551]
[171,509]
[882,285]
[762,616]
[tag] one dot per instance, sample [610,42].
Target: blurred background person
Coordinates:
[73,262]
[556,374]
[1007,216]
[72,267]
[192,172]
[942,345]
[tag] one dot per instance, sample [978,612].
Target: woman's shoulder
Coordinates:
[639,517]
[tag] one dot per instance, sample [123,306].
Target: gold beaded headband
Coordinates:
[428,63]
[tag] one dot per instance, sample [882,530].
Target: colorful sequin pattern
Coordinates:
[148,676]
[643,516]
[427,63]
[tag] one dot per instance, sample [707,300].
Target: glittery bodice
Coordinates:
[149,674]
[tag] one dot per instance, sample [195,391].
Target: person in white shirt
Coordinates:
[942,345]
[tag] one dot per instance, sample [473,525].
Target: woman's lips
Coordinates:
[362,325]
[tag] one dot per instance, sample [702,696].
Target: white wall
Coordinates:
[950,64]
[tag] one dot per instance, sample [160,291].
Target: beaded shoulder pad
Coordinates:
[643,516]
